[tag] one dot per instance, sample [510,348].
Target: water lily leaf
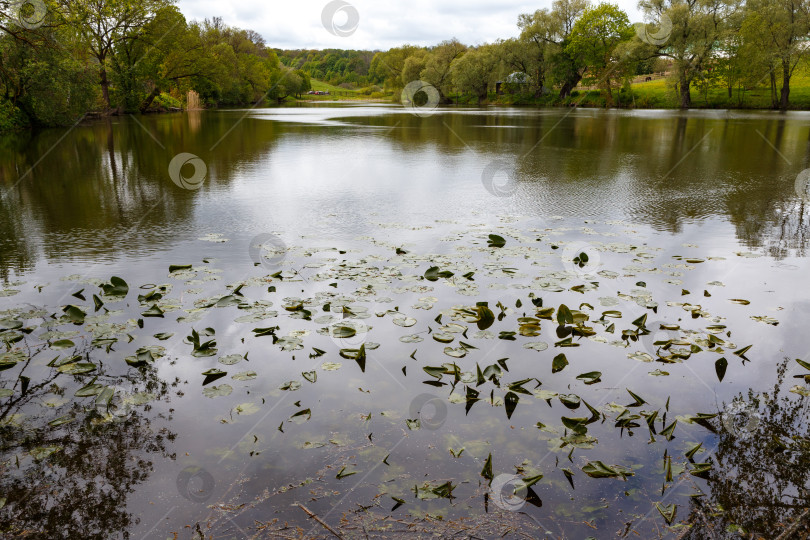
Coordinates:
[291,386]
[311,376]
[163,336]
[62,344]
[230,359]
[245,409]
[116,287]
[74,314]
[244,376]
[228,300]
[559,363]
[92,389]
[741,352]
[331,366]
[211,375]
[343,332]
[218,391]
[176,267]
[597,469]
[301,416]
[720,366]
[153,311]
[496,241]
[486,472]
[77,368]
[459,352]
[443,337]
[486,317]
[510,401]
[591,377]
[434,273]
[404,321]
[577,425]
[571,401]
[536,345]
[668,512]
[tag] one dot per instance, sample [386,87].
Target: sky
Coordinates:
[373,25]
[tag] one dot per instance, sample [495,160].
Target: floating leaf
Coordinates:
[246,409]
[559,363]
[591,377]
[116,287]
[597,469]
[496,241]
[720,366]
[668,512]
[62,344]
[218,391]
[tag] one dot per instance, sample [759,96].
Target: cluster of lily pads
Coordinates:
[344,295]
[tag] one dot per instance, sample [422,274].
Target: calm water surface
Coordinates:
[329,217]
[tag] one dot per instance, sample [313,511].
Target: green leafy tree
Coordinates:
[781,28]
[474,72]
[438,67]
[594,40]
[107,24]
[697,29]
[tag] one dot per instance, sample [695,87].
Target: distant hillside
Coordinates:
[333,66]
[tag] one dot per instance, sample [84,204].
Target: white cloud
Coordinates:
[383,23]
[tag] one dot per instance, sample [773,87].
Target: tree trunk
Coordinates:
[774,103]
[149,99]
[684,87]
[784,98]
[570,83]
[105,84]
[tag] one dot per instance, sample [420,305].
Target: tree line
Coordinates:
[700,44]
[59,60]
[62,58]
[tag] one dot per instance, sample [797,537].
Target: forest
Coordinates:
[60,61]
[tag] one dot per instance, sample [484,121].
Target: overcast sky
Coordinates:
[381,24]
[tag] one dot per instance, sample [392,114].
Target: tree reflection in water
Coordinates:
[758,486]
[73,480]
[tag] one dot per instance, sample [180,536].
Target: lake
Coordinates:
[485,322]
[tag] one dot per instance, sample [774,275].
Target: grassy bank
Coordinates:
[656,94]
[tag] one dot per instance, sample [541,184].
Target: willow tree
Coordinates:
[779,29]
[697,29]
